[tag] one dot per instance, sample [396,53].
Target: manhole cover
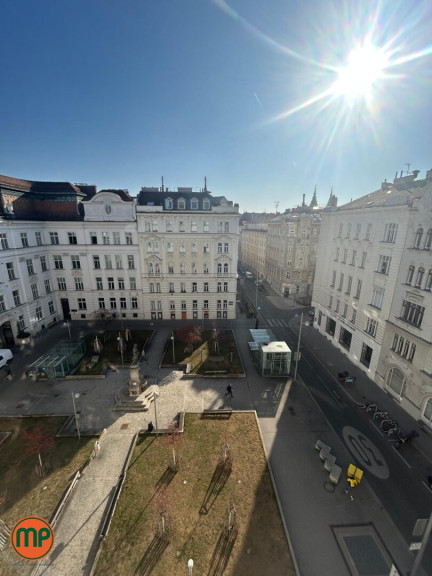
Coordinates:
[124,426]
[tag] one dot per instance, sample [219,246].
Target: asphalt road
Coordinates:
[395,475]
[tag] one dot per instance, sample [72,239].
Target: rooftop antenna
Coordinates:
[163,188]
[408,164]
[276,206]
[205,183]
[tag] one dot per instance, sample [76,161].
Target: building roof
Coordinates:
[154,197]
[123,194]
[37,187]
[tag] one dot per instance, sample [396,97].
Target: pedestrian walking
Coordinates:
[229,391]
[351,483]
[96,448]
[150,427]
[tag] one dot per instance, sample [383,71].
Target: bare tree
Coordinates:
[189,335]
[106,316]
[172,439]
[38,440]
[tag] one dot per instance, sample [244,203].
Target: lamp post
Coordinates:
[76,413]
[172,340]
[156,395]
[69,330]
[190,567]
[256,293]
[298,347]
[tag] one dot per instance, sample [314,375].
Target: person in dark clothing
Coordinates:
[229,391]
[150,427]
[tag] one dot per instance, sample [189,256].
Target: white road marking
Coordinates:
[400,455]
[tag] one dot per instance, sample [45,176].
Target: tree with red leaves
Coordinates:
[38,440]
[189,335]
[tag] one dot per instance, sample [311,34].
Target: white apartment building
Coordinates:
[70,252]
[253,247]
[365,295]
[188,243]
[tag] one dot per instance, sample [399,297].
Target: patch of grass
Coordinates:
[22,491]
[198,501]
[110,353]
[205,357]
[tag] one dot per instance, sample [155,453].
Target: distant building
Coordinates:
[373,283]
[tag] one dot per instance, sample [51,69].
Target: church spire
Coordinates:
[314,200]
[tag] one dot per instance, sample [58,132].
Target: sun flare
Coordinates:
[364,68]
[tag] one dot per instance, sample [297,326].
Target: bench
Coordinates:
[217,412]
[335,474]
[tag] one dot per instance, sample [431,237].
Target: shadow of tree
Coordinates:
[221,554]
[220,476]
[166,478]
[151,556]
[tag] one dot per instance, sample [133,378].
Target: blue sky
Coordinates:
[118,93]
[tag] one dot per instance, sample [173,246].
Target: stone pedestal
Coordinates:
[136,384]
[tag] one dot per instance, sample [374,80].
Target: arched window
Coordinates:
[226,269]
[428,242]
[410,276]
[396,381]
[150,268]
[420,276]
[418,238]
[219,269]
[194,268]
[182,268]
[428,285]
[157,268]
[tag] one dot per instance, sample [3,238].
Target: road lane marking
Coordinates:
[365,451]
[400,455]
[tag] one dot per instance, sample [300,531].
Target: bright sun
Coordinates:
[365,65]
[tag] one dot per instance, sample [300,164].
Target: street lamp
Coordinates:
[256,294]
[69,330]
[298,347]
[172,340]
[76,413]
[156,395]
[190,567]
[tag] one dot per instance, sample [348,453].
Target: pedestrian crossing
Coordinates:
[276,323]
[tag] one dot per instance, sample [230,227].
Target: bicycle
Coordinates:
[379,415]
[394,433]
[386,425]
[372,408]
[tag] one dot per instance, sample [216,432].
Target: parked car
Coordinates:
[5,357]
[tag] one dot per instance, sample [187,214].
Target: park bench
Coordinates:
[217,412]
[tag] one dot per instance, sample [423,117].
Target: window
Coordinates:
[384,264]
[39,315]
[363,260]
[377,297]
[337,255]
[206,286]
[113,304]
[226,248]
[345,338]
[96,262]
[418,238]
[82,305]
[429,281]
[35,291]
[54,238]
[219,248]
[194,304]
[181,226]
[194,248]
[170,268]
[2,304]
[368,232]
[390,232]
[206,248]
[105,238]
[206,226]
[354,316]
[168,204]
[181,204]
[396,381]
[410,276]
[371,327]
[132,283]
[349,230]
[205,305]
[122,303]
[108,262]
[47,286]
[118,262]
[366,355]
[182,268]
[51,307]
[182,248]
[10,270]
[79,284]
[58,262]
[131,262]
[72,238]
[76,264]
[172,305]
[24,239]
[30,269]
[331,302]
[411,353]
[226,269]
[358,230]
[341,280]
[111,283]
[353,257]
[428,242]
[206,204]
[152,288]
[219,286]
[193,223]
[61,283]
[205,268]
[43,263]
[16,299]
[183,304]
[4,241]
[129,238]
[194,204]
[340,230]
[194,287]
[226,227]
[412,313]
[359,287]
[183,287]
[121,283]
[147,226]
[337,306]
[93,238]
[330,326]
[134,303]
[116,237]
[333,282]
[38,236]
[420,276]
[99,283]
[225,287]
[349,284]
[101,302]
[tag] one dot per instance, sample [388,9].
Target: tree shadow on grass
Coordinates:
[221,554]
[218,481]
[151,556]
[166,478]
[140,441]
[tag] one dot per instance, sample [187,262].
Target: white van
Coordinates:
[5,357]
[249,275]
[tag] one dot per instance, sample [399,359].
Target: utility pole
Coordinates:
[298,347]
